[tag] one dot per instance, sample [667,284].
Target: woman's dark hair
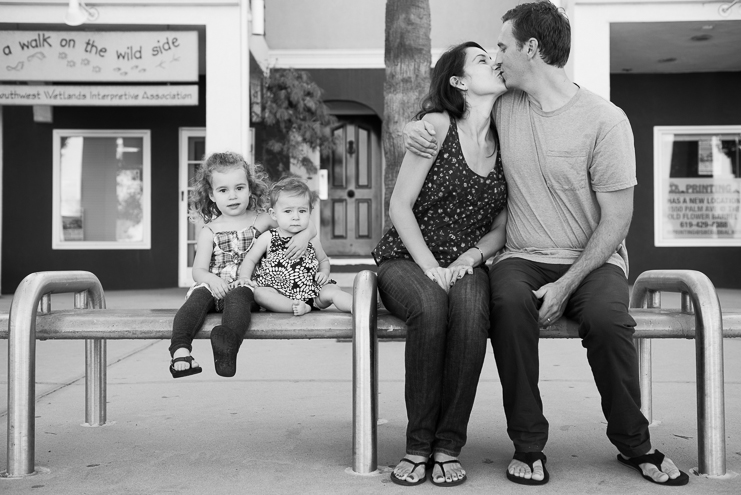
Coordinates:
[546,23]
[443,97]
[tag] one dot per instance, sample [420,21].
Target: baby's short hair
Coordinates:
[292,186]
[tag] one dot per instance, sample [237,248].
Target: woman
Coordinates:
[449,217]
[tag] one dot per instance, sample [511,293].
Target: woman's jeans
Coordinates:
[238,304]
[446,343]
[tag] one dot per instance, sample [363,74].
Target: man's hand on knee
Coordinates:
[553,299]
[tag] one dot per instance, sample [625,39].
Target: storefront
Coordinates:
[102,126]
[675,68]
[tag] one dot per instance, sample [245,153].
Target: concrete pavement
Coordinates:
[283,424]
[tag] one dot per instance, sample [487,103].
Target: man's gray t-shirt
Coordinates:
[554,163]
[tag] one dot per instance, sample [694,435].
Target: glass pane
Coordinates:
[191,230]
[362,228]
[101,189]
[338,158]
[191,254]
[196,148]
[339,219]
[192,169]
[364,157]
[698,187]
[705,156]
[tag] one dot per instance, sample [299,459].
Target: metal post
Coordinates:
[686,302]
[365,457]
[645,372]
[45,304]
[22,359]
[711,427]
[95,373]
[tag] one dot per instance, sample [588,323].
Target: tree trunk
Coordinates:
[407,57]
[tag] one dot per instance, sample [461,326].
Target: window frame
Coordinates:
[56,235]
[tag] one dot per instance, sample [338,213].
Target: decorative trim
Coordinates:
[371,58]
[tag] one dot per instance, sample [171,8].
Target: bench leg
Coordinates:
[697,291]
[95,382]
[21,392]
[365,347]
[711,423]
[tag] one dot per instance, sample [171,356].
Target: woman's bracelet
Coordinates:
[481,253]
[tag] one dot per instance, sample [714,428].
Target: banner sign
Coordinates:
[120,56]
[697,187]
[130,96]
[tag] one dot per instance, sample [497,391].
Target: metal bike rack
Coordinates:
[33,294]
[698,292]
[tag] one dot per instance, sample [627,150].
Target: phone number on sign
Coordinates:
[703,225]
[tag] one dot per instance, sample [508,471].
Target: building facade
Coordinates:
[101,184]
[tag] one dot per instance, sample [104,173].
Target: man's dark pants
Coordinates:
[600,307]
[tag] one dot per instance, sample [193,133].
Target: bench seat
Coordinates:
[126,324]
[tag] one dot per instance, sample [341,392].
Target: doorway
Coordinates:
[191,153]
[352,214]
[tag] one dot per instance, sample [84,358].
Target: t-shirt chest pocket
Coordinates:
[567,170]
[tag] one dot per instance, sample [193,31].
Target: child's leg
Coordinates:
[332,294]
[226,338]
[274,301]
[187,322]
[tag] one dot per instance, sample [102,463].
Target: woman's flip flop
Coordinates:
[457,482]
[415,465]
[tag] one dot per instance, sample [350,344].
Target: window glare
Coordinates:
[101,190]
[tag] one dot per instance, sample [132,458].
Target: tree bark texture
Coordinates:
[408,60]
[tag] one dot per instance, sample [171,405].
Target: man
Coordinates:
[569,162]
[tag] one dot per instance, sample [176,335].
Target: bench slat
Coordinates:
[157,324]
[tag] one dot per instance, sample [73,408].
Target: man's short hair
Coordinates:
[546,23]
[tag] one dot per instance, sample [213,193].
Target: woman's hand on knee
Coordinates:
[443,277]
[460,270]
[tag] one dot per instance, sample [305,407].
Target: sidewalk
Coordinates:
[283,425]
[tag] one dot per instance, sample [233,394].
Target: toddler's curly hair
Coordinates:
[200,205]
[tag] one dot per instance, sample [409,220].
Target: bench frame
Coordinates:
[32,302]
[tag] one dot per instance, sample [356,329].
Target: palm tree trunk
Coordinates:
[407,57]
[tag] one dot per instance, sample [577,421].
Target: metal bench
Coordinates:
[31,318]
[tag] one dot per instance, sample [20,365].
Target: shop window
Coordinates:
[102,189]
[697,185]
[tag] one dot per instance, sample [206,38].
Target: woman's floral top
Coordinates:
[455,208]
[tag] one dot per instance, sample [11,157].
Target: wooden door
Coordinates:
[351,217]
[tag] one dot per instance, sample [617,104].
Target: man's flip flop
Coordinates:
[415,465]
[529,458]
[186,372]
[656,459]
[457,482]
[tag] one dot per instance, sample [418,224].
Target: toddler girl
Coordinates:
[292,286]
[229,197]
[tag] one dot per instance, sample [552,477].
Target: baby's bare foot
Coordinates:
[300,308]
[183,365]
